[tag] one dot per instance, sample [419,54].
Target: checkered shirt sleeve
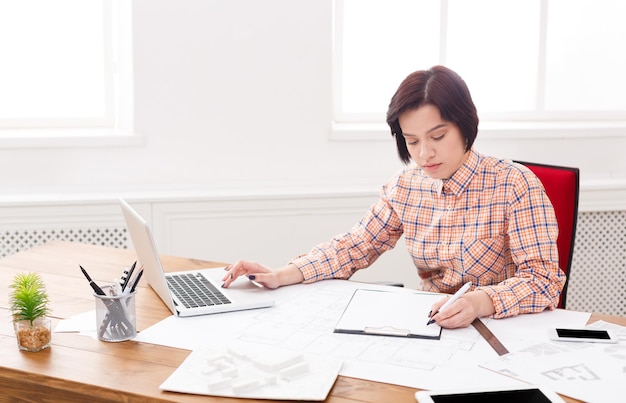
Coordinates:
[491,223]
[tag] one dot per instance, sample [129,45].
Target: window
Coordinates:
[523,60]
[66,64]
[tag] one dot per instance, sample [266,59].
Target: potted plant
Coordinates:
[29,307]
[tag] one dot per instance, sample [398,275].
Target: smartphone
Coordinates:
[520,394]
[584,335]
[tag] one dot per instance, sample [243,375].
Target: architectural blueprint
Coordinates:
[591,372]
[303,321]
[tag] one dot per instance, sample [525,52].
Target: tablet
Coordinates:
[515,394]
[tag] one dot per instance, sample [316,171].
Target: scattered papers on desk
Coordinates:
[591,372]
[254,373]
[303,320]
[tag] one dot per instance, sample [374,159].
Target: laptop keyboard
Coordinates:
[194,290]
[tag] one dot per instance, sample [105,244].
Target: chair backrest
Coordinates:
[562,186]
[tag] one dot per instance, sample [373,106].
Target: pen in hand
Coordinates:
[451,301]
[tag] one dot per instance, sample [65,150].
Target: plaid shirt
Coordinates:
[491,223]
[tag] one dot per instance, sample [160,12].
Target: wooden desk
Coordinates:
[77,368]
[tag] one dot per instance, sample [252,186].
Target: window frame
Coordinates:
[116,127]
[538,124]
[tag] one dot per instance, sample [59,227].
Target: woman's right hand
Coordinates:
[262,274]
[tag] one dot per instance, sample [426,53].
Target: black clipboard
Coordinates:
[389,313]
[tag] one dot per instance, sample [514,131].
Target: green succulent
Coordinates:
[29,299]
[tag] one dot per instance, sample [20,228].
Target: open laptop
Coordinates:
[193,292]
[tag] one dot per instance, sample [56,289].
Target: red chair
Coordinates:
[562,186]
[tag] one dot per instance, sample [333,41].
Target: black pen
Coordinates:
[136,281]
[128,276]
[93,285]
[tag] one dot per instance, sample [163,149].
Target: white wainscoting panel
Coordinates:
[270,230]
[30,224]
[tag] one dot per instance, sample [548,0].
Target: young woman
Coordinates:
[466,217]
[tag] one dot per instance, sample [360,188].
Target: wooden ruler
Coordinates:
[490,337]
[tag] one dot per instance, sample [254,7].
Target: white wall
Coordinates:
[237,94]
[239,91]
[225,91]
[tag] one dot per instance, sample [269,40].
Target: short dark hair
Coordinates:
[438,86]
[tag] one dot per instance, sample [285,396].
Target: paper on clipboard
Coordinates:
[388,313]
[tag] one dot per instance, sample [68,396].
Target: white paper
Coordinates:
[304,319]
[591,372]
[245,371]
[387,312]
[521,331]
[81,323]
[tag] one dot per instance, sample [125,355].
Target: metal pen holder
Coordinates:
[116,318]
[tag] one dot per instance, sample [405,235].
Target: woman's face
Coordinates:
[436,146]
